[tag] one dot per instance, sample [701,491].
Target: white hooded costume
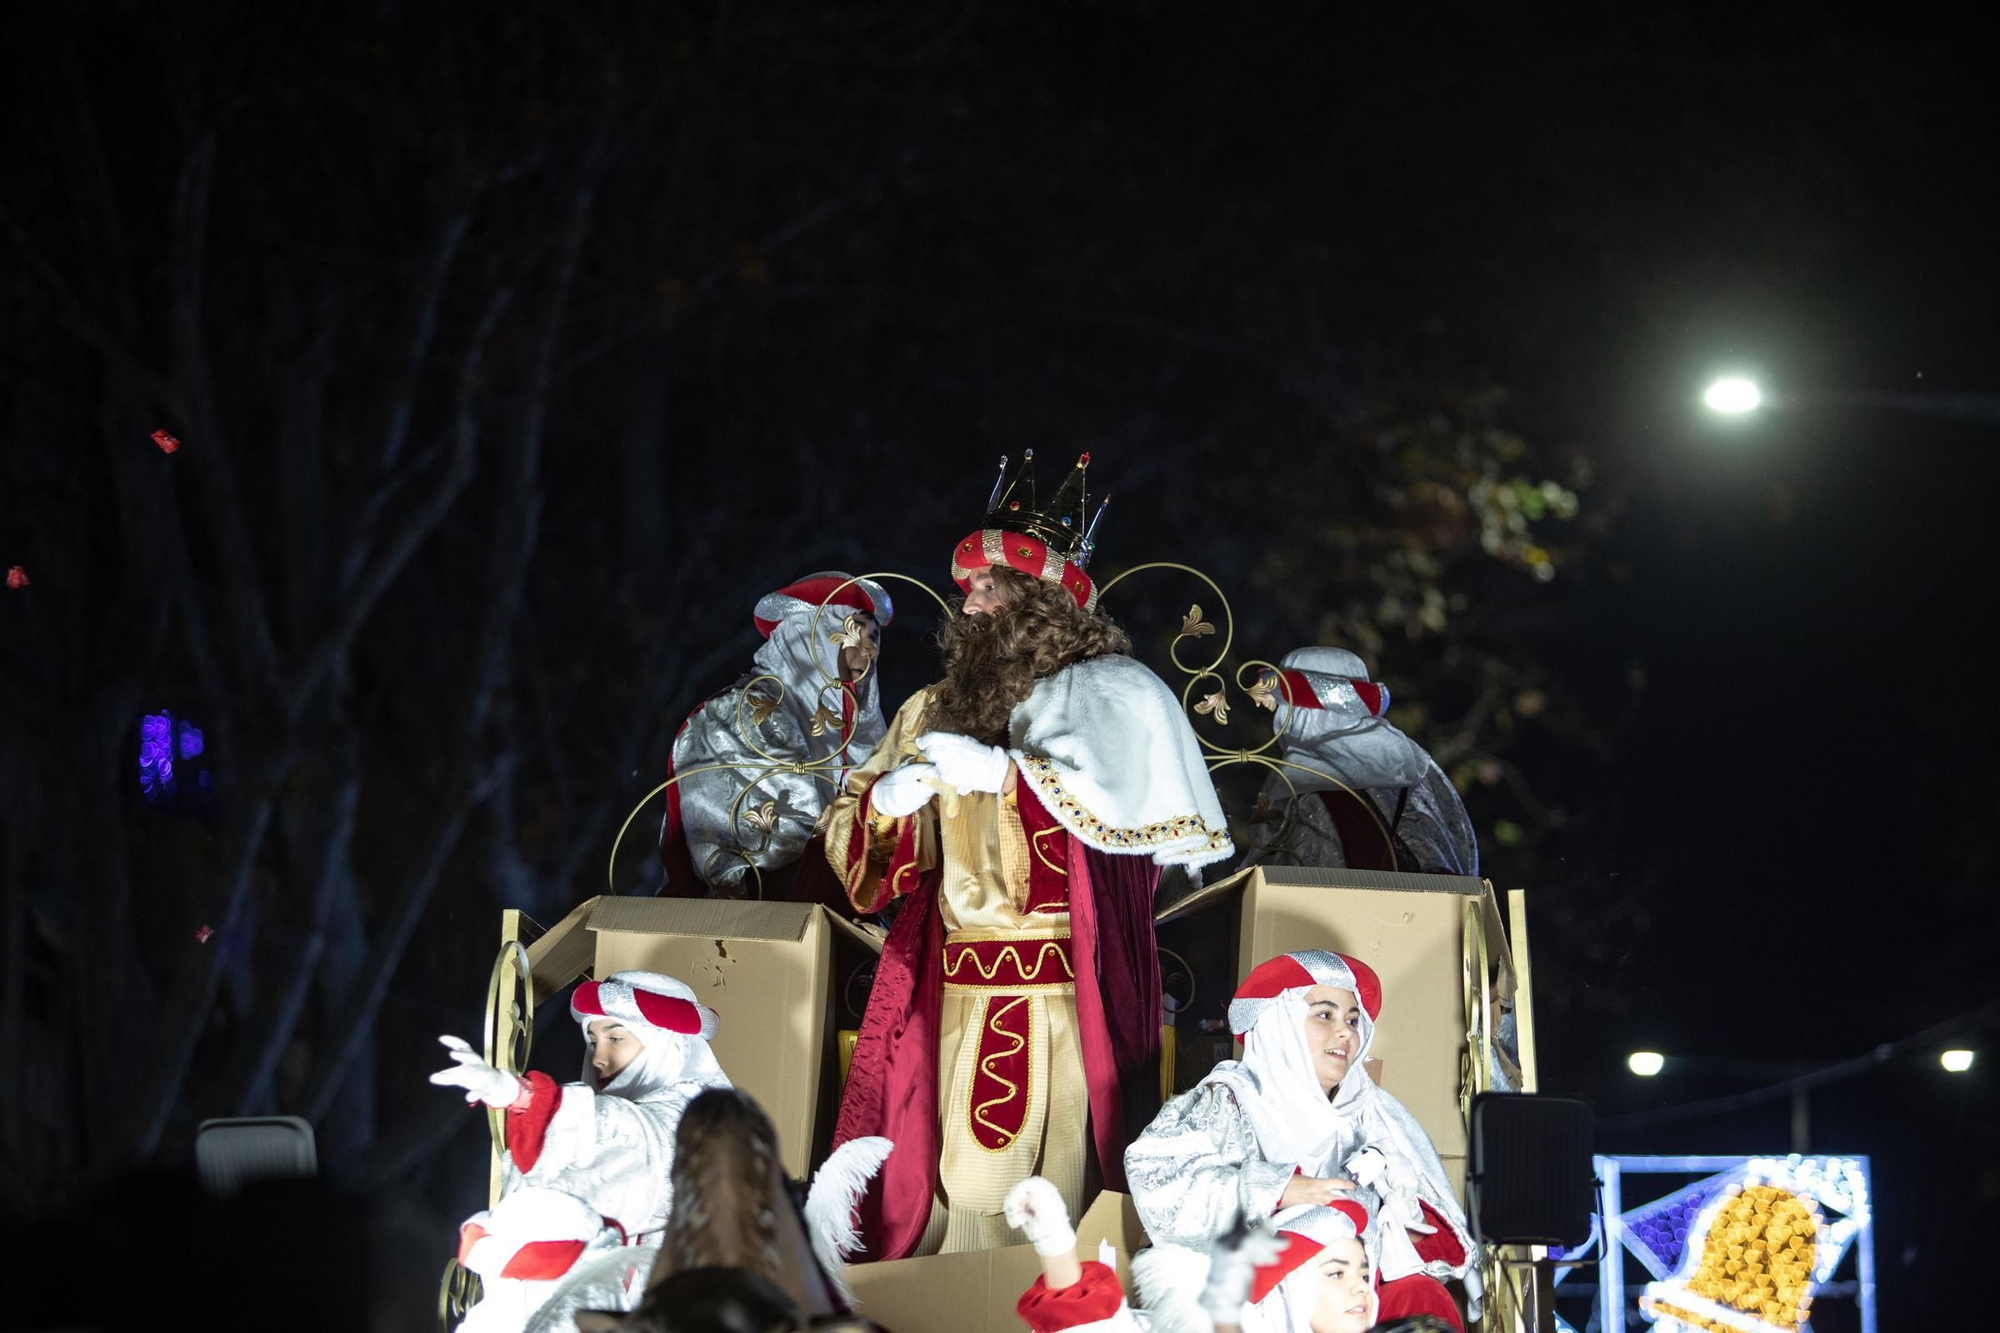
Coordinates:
[613,1146]
[524,1249]
[736,805]
[1333,735]
[1239,1136]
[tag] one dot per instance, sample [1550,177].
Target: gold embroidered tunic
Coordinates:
[1012,1100]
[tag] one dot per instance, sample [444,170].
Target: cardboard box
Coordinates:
[1410,928]
[975,1291]
[765,968]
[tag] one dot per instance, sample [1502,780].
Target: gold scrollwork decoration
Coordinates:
[510,1024]
[458,1291]
[1264,691]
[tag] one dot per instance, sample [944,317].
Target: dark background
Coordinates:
[515,351]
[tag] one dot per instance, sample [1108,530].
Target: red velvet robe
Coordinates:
[892,1084]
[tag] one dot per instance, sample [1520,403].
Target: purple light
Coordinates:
[190,740]
[156,754]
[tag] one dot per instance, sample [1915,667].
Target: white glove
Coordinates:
[481,1081]
[1035,1208]
[1404,1212]
[964,762]
[901,791]
[1233,1265]
[1401,1178]
[1367,1167]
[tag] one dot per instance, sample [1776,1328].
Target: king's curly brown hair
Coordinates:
[991,663]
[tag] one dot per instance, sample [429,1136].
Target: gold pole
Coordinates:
[1524,990]
[510,1028]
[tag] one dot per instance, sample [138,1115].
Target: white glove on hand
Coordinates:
[481,1081]
[964,762]
[1404,1212]
[1233,1265]
[1367,1167]
[1035,1208]
[1401,1178]
[901,791]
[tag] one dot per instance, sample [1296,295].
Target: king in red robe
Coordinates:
[1021,809]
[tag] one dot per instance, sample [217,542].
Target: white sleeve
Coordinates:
[1189,1169]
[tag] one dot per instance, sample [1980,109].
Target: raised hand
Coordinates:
[1035,1208]
[481,1081]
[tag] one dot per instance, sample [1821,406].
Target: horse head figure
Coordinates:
[738,1255]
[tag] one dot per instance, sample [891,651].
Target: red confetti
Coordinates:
[166,442]
[201,936]
[17,577]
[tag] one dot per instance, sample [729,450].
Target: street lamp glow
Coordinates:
[1955,1061]
[1732,396]
[1645,1063]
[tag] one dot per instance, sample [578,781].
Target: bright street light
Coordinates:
[1645,1063]
[1732,396]
[1956,1061]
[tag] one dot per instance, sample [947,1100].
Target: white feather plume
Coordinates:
[1170,1279]
[836,1189]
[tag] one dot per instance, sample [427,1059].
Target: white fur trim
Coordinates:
[1113,758]
[836,1189]
[1170,1279]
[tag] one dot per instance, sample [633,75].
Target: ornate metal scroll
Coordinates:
[509,1032]
[458,1291]
[761,695]
[1264,691]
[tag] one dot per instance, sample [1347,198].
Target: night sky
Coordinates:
[821,266]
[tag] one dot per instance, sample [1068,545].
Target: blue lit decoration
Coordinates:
[1754,1244]
[162,740]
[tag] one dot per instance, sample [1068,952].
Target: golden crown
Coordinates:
[1012,508]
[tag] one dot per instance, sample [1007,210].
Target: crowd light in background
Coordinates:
[1645,1063]
[1732,395]
[1956,1062]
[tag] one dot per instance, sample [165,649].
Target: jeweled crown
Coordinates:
[1012,508]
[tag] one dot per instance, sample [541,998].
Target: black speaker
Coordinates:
[1531,1180]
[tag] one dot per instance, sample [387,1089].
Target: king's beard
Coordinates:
[987,671]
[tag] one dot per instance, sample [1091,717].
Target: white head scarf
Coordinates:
[1294,1118]
[672,1058]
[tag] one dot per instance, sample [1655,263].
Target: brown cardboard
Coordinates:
[559,956]
[975,1291]
[1410,928]
[766,970]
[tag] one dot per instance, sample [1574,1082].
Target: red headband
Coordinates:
[1300,1249]
[1297,688]
[1029,555]
[668,1012]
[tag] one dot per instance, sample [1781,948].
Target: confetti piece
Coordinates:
[17,577]
[201,936]
[166,442]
